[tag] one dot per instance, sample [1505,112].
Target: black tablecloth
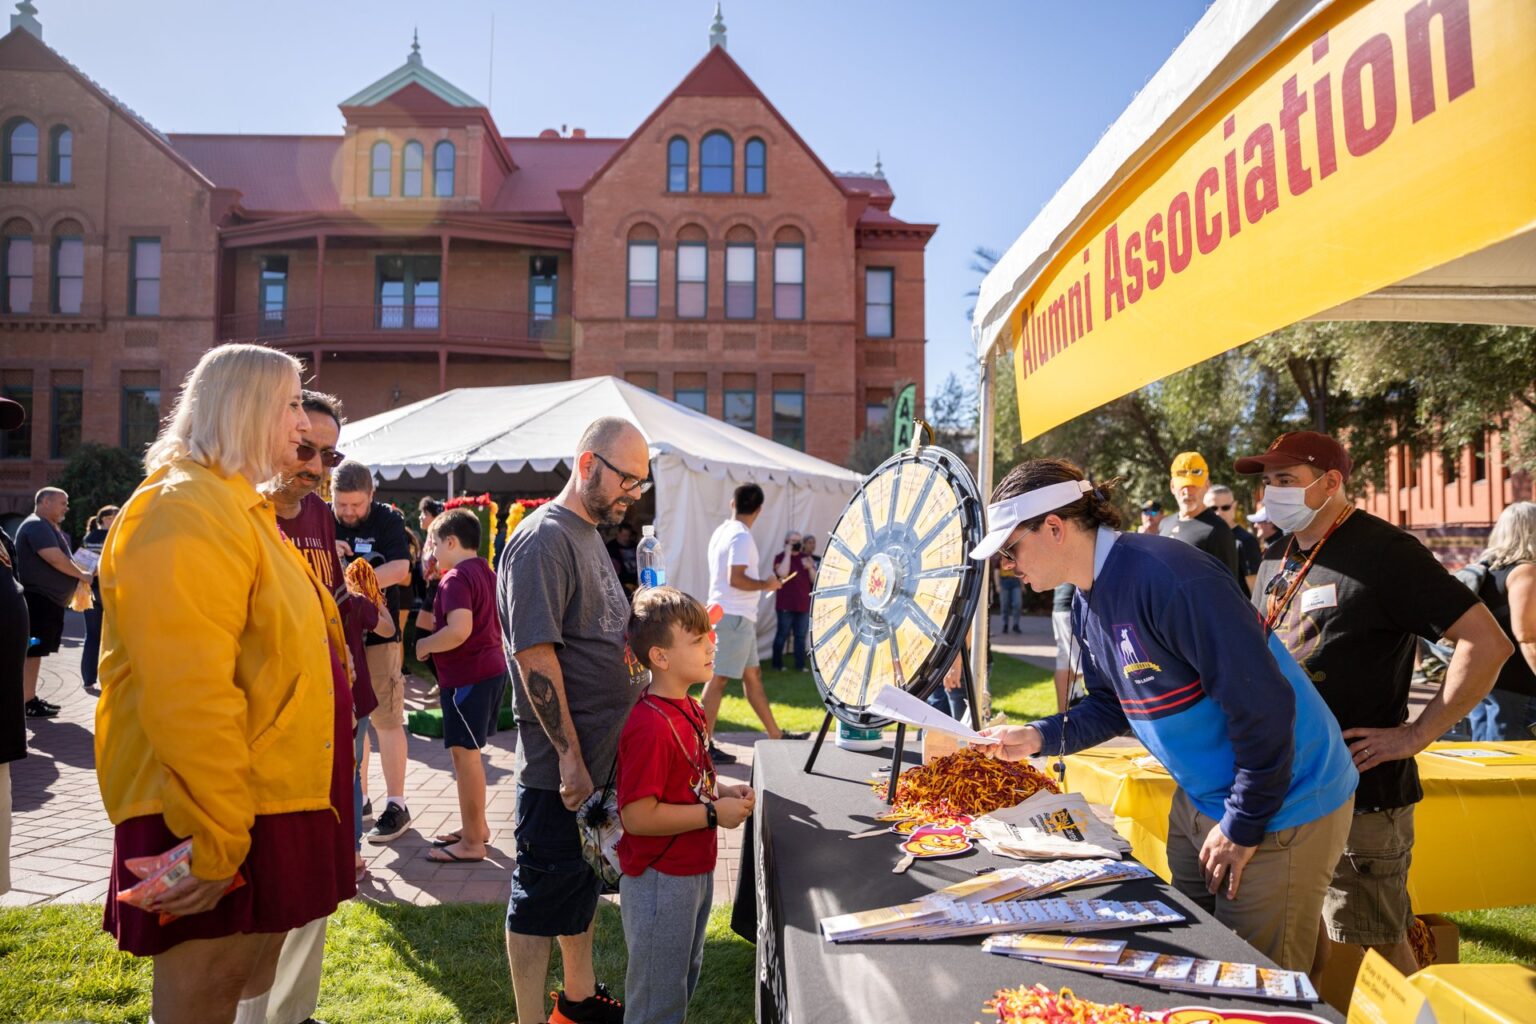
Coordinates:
[797,866]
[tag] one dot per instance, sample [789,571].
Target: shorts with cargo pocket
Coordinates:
[1367,902]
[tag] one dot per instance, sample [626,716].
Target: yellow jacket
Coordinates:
[217,698]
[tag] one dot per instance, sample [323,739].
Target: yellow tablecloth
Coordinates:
[1479,993]
[1475,843]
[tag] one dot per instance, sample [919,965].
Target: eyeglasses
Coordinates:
[638,485]
[1223,508]
[330,458]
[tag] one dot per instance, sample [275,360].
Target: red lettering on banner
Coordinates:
[1256,206]
[1155,263]
[1292,105]
[1455,35]
[1075,310]
[1088,292]
[1114,286]
[1133,267]
[1229,163]
[1207,233]
[1180,233]
[1056,319]
[1322,105]
[1375,52]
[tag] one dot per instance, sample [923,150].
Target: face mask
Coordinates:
[1287,507]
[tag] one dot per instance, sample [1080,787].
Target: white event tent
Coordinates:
[523,440]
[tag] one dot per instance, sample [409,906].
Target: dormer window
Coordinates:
[442,169]
[411,160]
[381,160]
[717,163]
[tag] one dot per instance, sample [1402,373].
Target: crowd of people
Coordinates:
[250,631]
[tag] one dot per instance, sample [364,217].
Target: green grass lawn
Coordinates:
[383,963]
[1019,690]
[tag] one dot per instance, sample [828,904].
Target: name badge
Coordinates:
[1326,596]
[363,547]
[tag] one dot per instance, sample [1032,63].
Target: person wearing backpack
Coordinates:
[1504,576]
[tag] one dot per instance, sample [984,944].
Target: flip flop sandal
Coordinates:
[452,858]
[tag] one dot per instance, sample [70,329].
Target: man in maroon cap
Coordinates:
[1349,595]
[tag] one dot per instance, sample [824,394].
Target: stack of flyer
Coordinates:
[1164,970]
[1039,878]
[949,919]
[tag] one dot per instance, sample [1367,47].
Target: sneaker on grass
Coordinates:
[601,1008]
[391,825]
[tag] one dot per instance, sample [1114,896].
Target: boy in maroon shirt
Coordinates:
[471,673]
[671,807]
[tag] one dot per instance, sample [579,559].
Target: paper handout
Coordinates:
[901,706]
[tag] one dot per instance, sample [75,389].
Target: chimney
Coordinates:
[26,18]
[578,133]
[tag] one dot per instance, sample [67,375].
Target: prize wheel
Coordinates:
[896,587]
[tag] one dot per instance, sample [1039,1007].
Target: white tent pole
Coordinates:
[984,454]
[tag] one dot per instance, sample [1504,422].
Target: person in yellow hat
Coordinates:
[1197,525]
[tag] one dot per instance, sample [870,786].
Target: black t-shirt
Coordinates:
[14,630]
[1208,532]
[1353,625]
[1516,675]
[1249,554]
[380,538]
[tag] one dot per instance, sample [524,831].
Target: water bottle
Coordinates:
[648,557]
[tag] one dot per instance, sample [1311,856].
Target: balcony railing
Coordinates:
[518,331]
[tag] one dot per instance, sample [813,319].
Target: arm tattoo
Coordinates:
[546,707]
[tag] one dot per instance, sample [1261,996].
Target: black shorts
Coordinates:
[47,618]
[469,712]
[554,891]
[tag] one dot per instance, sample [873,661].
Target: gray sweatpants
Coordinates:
[665,917]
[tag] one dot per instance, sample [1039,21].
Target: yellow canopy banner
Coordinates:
[1380,140]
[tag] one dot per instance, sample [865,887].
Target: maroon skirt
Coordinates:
[298,869]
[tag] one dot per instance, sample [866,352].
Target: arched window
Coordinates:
[740,274]
[382,159]
[692,273]
[68,267]
[677,165]
[61,153]
[16,267]
[789,274]
[442,169]
[411,161]
[643,264]
[717,163]
[756,167]
[20,151]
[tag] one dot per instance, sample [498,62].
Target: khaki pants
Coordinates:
[384,661]
[296,987]
[1280,897]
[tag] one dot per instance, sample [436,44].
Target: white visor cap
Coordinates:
[1005,517]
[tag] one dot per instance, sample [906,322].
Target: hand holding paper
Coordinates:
[901,706]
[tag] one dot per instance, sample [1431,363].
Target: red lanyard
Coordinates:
[1277,607]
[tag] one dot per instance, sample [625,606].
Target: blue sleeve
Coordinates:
[1218,633]
[1096,718]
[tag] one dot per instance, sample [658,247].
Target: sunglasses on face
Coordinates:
[1223,508]
[330,458]
[635,484]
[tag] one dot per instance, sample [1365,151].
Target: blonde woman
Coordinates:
[1509,591]
[224,714]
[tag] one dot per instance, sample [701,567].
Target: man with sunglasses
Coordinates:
[1350,595]
[306,520]
[563,616]
[1220,499]
[1196,525]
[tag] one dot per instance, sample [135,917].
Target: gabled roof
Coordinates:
[717,74]
[23,50]
[412,72]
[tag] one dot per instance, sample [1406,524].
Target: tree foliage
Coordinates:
[97,475]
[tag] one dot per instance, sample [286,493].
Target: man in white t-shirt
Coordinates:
[732,555]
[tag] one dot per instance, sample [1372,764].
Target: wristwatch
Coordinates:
[711,819]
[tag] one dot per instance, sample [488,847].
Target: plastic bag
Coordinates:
[598,822]
[159,874]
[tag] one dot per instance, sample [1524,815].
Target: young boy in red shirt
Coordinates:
[670,806]
[471,673]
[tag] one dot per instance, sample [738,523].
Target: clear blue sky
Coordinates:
[979,110]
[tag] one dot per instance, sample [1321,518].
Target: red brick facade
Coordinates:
[420,250]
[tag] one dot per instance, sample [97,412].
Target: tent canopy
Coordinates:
[697,461]
[1370,149]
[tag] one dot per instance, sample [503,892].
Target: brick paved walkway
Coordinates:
[61,845]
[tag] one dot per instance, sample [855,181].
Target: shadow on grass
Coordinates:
[1507,934]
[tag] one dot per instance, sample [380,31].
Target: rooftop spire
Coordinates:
[879,168]
[717,30]
[26,18]
[415,57]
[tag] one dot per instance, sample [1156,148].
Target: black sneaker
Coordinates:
[787,735]
[47,703]
[390,826]
[601,1008]
[719,756]
[40,709]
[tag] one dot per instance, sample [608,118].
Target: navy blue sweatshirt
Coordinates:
[1174,652]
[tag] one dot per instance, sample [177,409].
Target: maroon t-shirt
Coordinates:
[470,584]
[795,595]
[313,532]
[661,754]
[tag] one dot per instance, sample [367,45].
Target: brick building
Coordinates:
[710,256]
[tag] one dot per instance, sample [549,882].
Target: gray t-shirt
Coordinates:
[37,576]
[556,585]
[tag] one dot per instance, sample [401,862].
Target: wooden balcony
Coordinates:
[402,329]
